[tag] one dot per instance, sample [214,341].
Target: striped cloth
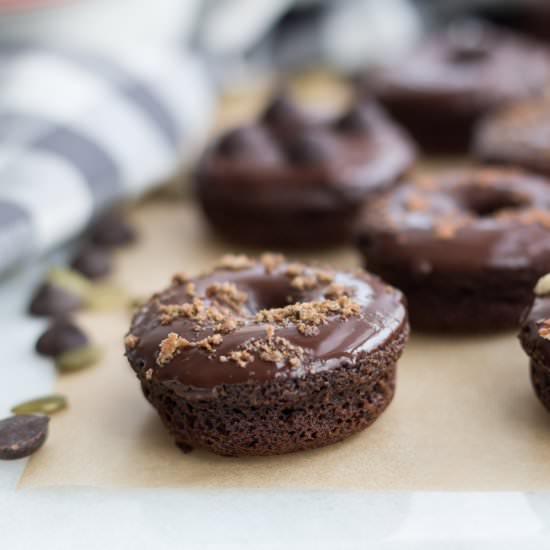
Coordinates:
[80,131]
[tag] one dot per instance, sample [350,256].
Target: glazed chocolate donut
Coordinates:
[445,85]
[465,247]
[292,179]
[517,134]
[535,339]
[269,357]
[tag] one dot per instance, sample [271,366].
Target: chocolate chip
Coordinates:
[93,261]
[283,115]
[246,139]
[112,230]
[468,53]
[355,121]
[308,149]
[52,300]
[22,435]
[61,336]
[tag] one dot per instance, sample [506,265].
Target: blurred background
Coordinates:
[102,100]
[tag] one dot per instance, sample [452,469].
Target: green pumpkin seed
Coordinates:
[78,358]
[106,297]
[46,405]
[69,280]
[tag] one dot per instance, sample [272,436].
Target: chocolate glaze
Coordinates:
[442,87]
[499,219]
[517,134]
[196,371]
[320,164]
[475,64]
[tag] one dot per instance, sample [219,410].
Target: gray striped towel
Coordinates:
[80,131]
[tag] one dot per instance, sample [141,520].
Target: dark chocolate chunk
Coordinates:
[62,335]
[308,148]
[52,300]
[355,121]
[93,261]
[22,435]
[111,229]
[283,115]
[247,140]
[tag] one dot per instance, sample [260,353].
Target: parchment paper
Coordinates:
[464,416]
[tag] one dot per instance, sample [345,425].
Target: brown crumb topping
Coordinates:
[271,261]
[179,279]
[174,343]
[293,270]
[235,262]
[170,346]
[335,291]
[446,228]
[304,282]
[544,329]
[308,316]
[227,293]
[274,349]
[131,341]
[416,203]
[190,289]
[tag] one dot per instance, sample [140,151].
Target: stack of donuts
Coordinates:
[267,356]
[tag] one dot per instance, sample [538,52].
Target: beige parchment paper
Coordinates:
[464,416]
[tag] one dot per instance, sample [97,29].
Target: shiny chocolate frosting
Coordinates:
[291,159]
[471,65]
[256,321]
[517,134]
[461,221]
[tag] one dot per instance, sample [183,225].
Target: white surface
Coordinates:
[145,519]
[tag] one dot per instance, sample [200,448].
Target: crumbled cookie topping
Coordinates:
[308,316]
[335,291]
[446,228]
[227,293]
[293,270]
[304,282]
[235,262]
[174,343]
[170,346]
[131,341]
[416,203]
[544,329]
[273,349]
[542,288]
[271,261]
[190,289]
[179,279]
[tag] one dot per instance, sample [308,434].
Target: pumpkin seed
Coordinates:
[46,405]
[69,280]
[106,297]
[78,358]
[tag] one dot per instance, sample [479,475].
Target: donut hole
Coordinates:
[269,293]
[486,203]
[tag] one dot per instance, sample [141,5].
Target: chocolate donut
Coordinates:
[517,134]
[268,357]
[449,81]
[535,339]
[292,179]
[466,247]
